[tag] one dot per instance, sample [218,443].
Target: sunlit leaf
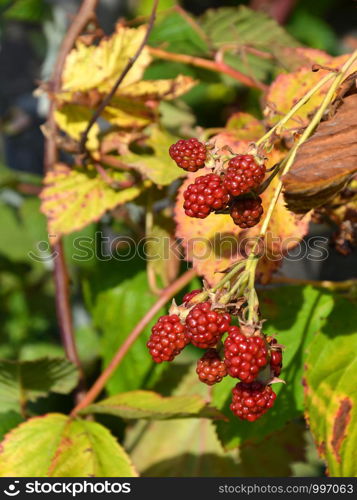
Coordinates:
[158,166]
[330,390]
[56,446]
[73,120]
[150,405]
[74,197]
[288,88]
[180,447]
[98,67]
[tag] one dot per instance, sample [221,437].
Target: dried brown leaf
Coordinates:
[325,162]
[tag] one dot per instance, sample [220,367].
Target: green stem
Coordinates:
[295,108]
[229,275]
[252,261]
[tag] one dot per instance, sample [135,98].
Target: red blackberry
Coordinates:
[243,174]
[246,212]
[205,195]
[189,296]
[210,368]
[276,357]
[204,326]
[167,339]
[189,154]
[251,401]
[244,356]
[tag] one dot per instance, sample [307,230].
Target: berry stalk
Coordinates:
[252,261]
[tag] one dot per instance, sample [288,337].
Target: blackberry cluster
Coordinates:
[168,338]
[251,401]
[210,368]
[243,174]
[244,356]
[189,154]
[212,192]
[246,212]
[205,326]
[205,195]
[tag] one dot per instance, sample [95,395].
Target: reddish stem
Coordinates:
[167,294]
[218,66]
[83,17]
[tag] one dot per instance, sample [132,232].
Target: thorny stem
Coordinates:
[167,294]
[84,15]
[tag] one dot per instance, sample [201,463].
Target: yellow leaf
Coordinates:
[128,112]
[98,67]
[159,89]
[55,445]
[73,120]
[74,197]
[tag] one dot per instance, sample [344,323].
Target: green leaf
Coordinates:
[241,27]
[117,307]
[150,405]
[330,390]
[180,33]
[74,197]
[244,26]
[158,167]
[313,31]
[27,10]
[180,447]
[9,420]
[56,446]
[24,227]
[295,315]
[25,381]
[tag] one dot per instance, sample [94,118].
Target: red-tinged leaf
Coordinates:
[288,89]
[215,243]
[74,197]
[240,127]
[55,445]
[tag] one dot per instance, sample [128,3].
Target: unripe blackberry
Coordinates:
[251,401]
[204,196]
[189,154]
[243,174]
[210,368]
[276,357]
[167,339]
[244,356]
[189,296]
[246,212]
[204,326]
